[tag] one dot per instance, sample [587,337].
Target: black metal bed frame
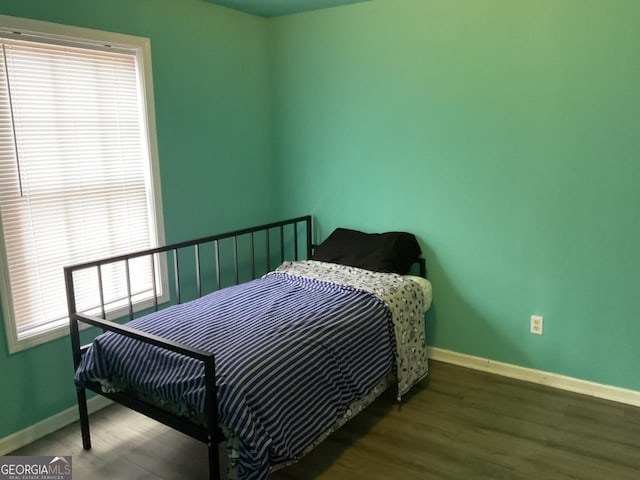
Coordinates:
[210,433]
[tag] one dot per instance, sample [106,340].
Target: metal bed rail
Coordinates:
[210,433]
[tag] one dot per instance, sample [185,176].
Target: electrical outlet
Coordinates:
[536,324]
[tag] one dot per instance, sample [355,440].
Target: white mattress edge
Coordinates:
[426,287]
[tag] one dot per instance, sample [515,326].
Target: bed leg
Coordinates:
[214,460]
[84,418]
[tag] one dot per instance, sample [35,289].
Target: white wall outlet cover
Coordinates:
[536,324]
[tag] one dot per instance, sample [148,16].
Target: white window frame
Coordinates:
[57,33]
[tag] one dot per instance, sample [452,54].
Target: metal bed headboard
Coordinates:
[175,248]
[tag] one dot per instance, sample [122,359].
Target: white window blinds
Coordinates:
[75,180]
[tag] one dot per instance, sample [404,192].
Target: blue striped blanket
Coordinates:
[292,353]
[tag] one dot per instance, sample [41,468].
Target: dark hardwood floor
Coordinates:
[462,424]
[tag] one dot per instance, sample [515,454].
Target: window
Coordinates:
[78,169]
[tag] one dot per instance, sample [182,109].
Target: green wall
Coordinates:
[506,135]
[213,114]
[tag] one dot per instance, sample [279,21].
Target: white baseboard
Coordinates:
[49,425]
[598,390]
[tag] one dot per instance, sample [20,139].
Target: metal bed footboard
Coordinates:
[211,433]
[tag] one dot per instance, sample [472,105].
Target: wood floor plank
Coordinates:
[460,424]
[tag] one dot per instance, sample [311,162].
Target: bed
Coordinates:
[260,363]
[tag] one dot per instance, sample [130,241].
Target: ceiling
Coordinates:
[273,8]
